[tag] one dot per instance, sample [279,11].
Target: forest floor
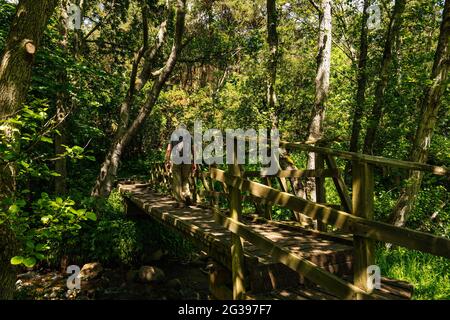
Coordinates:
[183,281]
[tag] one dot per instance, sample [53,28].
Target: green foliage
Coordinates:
[429,274]
[281,214]
[43,226]
[116,240]
[6,14]
[430,213]
[42,223]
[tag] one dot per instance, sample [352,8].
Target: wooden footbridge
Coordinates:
[254,257]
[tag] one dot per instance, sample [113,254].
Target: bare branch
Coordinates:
[315,6]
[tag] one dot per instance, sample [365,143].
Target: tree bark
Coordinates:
[108,171]
[15,76]
[272,39]
[15,69]
[386,61]
[61,110]
[8,248]
[323,73]
[362,81]
[322,87]
[430,105]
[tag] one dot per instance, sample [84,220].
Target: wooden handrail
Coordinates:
[374,160]
[311,271]
[380,231]
[296,173]
[359,223]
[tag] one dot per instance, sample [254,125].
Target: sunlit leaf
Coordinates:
[16,260]
[29,262]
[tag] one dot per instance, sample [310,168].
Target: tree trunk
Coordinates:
[61,110]
[386,61]
[362,81]
[8,249]
[430,105]
[323,73]
[15,75]
[272,39]
[322,87]
[60,140]
[108,171]
[23,40]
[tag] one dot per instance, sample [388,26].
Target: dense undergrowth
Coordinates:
[430,275]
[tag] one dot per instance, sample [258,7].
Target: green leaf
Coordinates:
[29,262]
[91,216]
[77,149]
[41,247]
[30,244]
[14,209]
[21,202]
[55,174]
[47,139]
[39,256]
[24,164]
[16,260]
[45,219]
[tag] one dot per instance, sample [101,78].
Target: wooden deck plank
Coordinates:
[199,224]
[200,221]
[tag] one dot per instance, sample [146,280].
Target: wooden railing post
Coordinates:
[215,196]
[156,178]
[196,197]
[347,222]
[339,183]
[237,250]
[320,188]
[168,176]
[362,206]
[268,205]
[151,179]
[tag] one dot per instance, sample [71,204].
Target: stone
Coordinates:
[91,270]
[27,276]
[151,274]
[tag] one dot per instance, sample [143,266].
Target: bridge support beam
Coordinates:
[237,249]
[219,281]
[362,206]
[320,188]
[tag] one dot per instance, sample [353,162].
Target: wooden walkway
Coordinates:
[266,278]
